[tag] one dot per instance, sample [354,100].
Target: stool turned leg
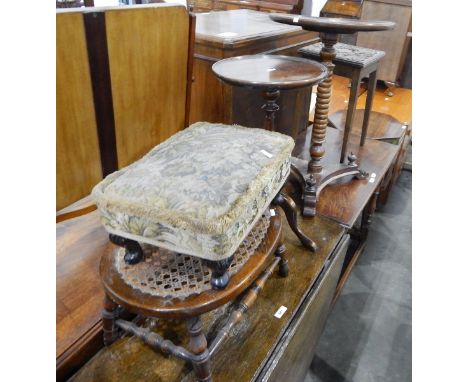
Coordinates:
[199,347]
[109,316]
[369,100]
[219,272]
[283,265]
[289,207]
[133,251]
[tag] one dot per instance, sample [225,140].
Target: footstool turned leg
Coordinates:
[109,315]
[133,251]
[289,207]
[199,347]
[283,265]
[219,272]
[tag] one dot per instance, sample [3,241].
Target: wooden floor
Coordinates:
[398,106]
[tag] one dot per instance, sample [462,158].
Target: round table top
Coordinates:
[333,25]
[270,72]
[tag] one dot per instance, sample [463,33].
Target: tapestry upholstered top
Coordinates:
[198,193]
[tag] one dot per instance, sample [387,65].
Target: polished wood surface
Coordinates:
[344,200]
[80,243]
[156,306]
[333,25]
[149,90]
[381,126]
[286,6]
[112,99]
[398,106]
[240,29]
[395,42]
[226,34]
[78,166]
[270,72]
[340,8]
[292,358]
[244,355]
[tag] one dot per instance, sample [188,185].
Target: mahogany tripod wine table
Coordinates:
[312,177]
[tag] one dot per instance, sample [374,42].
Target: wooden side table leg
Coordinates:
[367,216]
[369,100]
[289,207]
[319,128]
[356,81]
[270,108]
[199,346]
[109,315]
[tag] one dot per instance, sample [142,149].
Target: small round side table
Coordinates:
[271,74]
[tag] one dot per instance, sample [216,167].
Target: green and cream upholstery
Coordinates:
[198,193]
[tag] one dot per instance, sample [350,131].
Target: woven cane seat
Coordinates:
[198,193]
[124,283]
[170,274]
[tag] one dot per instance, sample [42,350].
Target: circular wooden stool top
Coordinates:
[381,126]
[333,25]
[270,71]
[146,304]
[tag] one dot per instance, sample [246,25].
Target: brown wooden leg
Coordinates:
[367,216]
[283,265]
[198,346]
[319,128]
[356,81]
[369,100]
[270,108]
[109,315]
[219,272]
[289,207]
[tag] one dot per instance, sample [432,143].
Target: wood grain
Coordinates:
[344,200]
[148,56]
[155,306]
[340,8]
[80,243]
[78,166]
[246,352]
[233,33]
[392,42]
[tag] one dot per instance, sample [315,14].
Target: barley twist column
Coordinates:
[322,104]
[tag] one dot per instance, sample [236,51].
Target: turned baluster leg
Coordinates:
[270,108]
[283,265]
[319,129]
[219,272]
[199,346]
[109,315]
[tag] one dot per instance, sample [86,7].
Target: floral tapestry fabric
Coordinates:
[198,193]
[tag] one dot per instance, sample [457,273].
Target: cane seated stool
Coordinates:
[196,222]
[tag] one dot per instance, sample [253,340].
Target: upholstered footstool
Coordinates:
[199,193]
[196,211]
